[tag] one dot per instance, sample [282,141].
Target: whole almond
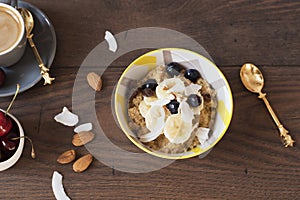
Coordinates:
[66,157]
[94,81]
[82,163]
[82,138]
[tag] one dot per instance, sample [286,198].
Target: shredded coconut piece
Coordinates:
[192,89]
[187,113]
[57,187]
[202,134]
[83,127]
[111,40]
[154,122]
[66,118]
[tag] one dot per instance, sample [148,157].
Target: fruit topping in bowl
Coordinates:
[168,111]
[5,124]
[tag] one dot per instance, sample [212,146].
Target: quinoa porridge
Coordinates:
[172,109]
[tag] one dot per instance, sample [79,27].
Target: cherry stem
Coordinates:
[31,143]
[12,101]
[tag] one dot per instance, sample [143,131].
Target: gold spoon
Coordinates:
[253,80]
[29,24]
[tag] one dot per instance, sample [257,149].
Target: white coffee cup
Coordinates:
[12,35]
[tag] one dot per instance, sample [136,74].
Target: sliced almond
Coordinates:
[82,138]
[66,157]
[94,81]
[82,163]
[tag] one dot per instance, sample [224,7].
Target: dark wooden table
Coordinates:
[248,163]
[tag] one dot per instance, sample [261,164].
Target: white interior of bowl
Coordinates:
[12,160]
[141,66]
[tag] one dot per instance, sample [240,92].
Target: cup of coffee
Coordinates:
[12,35]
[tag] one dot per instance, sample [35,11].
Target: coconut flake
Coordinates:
[66,118]
[187,113]
[175,85]
[111,40]
[153,101]
[192,89]
[169,88]
[202,134]
[161,102]
[150,100]
[144,108]
[83,127]
[155,121]
[150,136]
[57,187]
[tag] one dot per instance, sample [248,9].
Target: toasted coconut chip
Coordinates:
[192,89]
[112,43]
[150,100]
[144,108]
[57,187]
[161,102]
[66,118]
[187,113]
[154,122]
[202,134]
[167,88]
[83,127]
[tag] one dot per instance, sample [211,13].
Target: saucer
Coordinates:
[27,72]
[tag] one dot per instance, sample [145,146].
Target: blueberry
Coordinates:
[148,89]
[194,100]
[192,74]
[173,106]
[174,69]
[151,84]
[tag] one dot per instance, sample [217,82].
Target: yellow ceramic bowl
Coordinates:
[139,68]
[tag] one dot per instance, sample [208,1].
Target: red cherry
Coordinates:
[5,121]
[5,124]
[8,144]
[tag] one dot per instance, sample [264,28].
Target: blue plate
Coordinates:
[27,72]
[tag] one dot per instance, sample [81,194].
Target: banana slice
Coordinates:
[144,108]
[169,87]
[176,130]
[155,122]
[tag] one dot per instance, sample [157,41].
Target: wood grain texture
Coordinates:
[248,163]
[235,31]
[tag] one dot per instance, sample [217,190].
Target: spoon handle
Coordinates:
[44,69]
[285,137]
